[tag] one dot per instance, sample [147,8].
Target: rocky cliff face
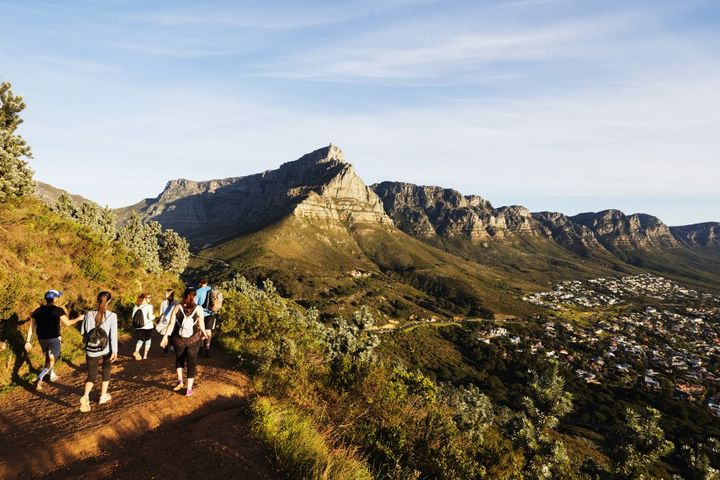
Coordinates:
[430,212]
[615,230]
[319,186]
[574,236]
[698,235]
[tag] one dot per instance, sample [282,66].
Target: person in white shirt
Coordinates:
[166,308]
[144,332]
[99,330]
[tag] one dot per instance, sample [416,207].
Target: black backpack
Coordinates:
[96,340]
[138,319]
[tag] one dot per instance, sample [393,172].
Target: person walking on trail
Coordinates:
[46,321]
[187,324]
[166,308]
[142,321]
[99,329]
[211,300]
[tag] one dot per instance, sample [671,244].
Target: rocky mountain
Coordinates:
[328,239]
[320,186]
[430,212]
[49,194]
[698,235]
[617,231]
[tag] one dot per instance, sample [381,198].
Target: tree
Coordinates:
[702,459]
[638,443]
[15,174]
[89,214]
[142,240]
[174,252]
[546,403]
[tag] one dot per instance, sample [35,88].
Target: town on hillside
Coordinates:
[640,330]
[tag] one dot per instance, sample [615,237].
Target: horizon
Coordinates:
[549,104]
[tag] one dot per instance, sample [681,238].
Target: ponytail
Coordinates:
[103,299]
[141,298]
[188,301]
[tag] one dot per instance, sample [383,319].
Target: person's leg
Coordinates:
[106,370]
[92,367]
[207,342]
[180,354]
[148,341]
[55,351]
[138,344]
[192,354]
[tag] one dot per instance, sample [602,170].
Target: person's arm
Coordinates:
[28,345]
[171,324]
[151,313]
[201,321]
[113,338]
[69,323]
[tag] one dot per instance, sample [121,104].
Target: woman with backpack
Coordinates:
[99,330]
[142,321]
[187,324]
[166,308]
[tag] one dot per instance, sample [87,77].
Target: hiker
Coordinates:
[46,320]
[211,301]
[142,321]
[166,308]
[187,331]
[99,329]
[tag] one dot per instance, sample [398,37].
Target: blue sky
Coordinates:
[553,104]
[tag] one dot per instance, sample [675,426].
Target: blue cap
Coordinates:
[52,294]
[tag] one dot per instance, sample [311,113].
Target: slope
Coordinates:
[40,250]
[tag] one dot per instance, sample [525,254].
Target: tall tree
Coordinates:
[174,252]
[15,174]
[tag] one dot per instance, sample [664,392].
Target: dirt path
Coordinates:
[146,431]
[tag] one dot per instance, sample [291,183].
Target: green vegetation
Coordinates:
[302,451]
[39,250]
[337,385]
[15,174]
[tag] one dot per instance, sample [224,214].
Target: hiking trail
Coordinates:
[146,431]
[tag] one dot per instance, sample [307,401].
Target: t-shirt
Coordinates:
[201,296]
[110,327]
[47,321]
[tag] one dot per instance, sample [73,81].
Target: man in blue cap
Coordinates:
[46,323]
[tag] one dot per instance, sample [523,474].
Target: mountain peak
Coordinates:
[330,154]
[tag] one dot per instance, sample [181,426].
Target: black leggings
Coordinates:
[187,355]
[92,366]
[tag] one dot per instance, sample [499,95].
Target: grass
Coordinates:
[302,452]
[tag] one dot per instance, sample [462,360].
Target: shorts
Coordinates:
[211,321]
[51,346]
[144,334]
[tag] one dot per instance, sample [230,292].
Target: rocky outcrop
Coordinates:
[698,235]
[319,186]
[617,231]
[567,233]
[430,212]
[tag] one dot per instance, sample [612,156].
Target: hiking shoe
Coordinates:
[53,377]
[189,393]
[39,385]
[137,356]
[84,404]
[104,398]
[179,386]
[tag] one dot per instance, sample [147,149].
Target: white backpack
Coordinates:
[185,327]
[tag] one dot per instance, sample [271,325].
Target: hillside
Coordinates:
[40,250]
[328,240]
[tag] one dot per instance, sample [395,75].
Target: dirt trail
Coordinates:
[144,432]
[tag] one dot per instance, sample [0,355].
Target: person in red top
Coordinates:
[46,323]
